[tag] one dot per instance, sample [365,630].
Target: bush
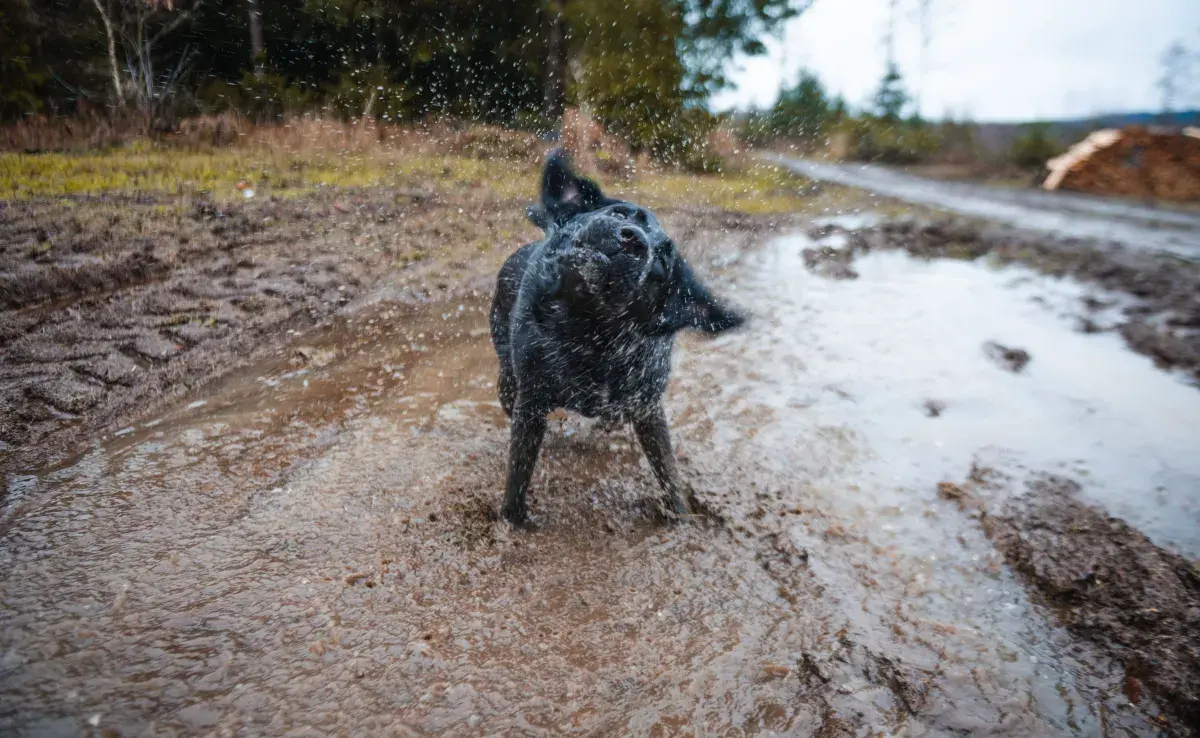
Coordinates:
[902,142]
[1033,147]
[261,99]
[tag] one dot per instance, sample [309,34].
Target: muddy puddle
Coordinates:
[311,548]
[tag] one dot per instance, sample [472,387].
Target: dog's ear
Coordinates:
[565,194]
[539,217]
[691,305]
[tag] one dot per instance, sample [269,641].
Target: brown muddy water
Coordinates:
[311,547]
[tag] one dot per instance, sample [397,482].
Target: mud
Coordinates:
[123,304]
[1104,579]
[307,543]
[1162,320]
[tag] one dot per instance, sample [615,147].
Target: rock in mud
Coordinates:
[1005,357]
[830,262]
[315,357]
[67,394]
[115,368]
[950,491]
[155,347]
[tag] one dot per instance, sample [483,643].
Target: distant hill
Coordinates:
[999,136]
[1120,120]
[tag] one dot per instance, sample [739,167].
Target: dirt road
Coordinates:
[310,547]
[1057,213]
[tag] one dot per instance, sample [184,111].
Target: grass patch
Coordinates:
[758,189]
[142,167]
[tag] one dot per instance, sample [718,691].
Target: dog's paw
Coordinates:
[517,517]
[670,509]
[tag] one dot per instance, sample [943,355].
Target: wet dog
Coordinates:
[585,320]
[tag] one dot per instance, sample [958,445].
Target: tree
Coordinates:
[503,61]
[1176,81]
[258,49]
[891,98]
[134,30]
[1034,146]
[630,72]
[802,110]
[715,30]
[19,77]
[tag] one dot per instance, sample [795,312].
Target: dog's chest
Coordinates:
[614,380]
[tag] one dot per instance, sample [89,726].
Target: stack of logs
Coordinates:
[1133,162]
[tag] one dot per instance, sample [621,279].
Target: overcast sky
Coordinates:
[988,59]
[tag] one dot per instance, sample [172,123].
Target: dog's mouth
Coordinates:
[584,272]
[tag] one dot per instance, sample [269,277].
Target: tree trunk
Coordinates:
[556,63]
[114,68]
[369,109]
[258,51]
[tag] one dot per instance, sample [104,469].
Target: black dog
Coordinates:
[585,319]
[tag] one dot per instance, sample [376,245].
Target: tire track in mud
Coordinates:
[124,303]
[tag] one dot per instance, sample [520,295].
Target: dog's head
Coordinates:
[616,262]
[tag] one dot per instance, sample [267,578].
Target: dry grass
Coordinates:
[220,157]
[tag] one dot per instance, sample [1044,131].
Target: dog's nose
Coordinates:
[632,239]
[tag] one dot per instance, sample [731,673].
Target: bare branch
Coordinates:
[178,20]
[112,53]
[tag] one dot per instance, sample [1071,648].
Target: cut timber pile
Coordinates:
[1131,162]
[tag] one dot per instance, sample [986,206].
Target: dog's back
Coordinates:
[508,286]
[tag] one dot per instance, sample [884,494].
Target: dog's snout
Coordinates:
[632,239]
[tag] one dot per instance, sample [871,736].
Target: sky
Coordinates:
[990,60]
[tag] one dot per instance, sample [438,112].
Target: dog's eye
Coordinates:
[631,240]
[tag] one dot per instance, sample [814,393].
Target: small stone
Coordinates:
[950,491]
[155,347]
[776,671]
[67,394]
[114,368]
[1005,357]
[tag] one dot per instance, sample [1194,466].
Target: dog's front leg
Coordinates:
[527,429]
[652,433]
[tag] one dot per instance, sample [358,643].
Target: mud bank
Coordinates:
[119,304]
[1103,579]
[115,306]
[1162,321]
